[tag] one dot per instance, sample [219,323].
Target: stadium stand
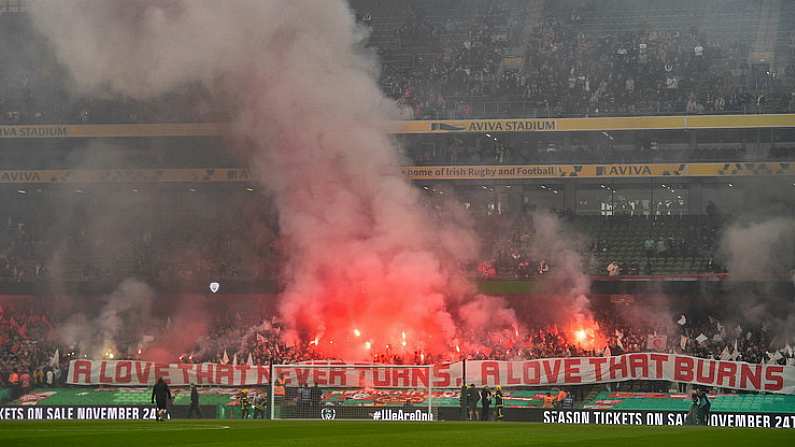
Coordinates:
[729,403]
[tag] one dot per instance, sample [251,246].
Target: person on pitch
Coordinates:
[485,402]
[473,396]
[244,403]
[259,405]
[704,406]
[692,414]
[161,395]
[194,402]
[498,404]
[463,402]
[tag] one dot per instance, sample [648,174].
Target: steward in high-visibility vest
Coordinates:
[498,404]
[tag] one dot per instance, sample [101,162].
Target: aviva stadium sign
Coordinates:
[516,125]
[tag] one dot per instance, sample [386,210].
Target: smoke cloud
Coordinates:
[123,314]
[567,283]
[760,250]
[366,267]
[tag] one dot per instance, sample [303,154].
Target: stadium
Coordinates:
[358,222]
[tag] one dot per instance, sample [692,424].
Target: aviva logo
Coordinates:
[623,171]
[446,127]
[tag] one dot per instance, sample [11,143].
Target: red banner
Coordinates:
[539,372]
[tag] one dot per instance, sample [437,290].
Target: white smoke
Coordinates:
[762,253]
[124,314]
[361,250]
[759,250]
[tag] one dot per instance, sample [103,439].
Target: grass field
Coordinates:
[373,434]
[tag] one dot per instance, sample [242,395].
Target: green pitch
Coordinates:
[378,434]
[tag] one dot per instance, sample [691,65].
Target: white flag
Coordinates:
[234,359]
[250,361]
[225,358]
[682,321]
[777,356]
[725,355]
[701,338]
[55,360]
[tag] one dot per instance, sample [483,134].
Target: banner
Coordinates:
[659,418]
[86,176]
[96,412]
[112,130]
[481,172]
[596,124]
[107,413]
[518,124]
[615,170]
[538,372]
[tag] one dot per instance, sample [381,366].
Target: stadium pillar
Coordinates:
[273,389]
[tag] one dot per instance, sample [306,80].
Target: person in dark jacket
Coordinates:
[692,414]
[704,406]
[485,402]
[317,396]
[473,396]
[161,395]
[462,402]
[194,402]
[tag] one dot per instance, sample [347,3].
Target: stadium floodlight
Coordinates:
[332,391]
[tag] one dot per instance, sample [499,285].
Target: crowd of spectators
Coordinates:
[467,68]
[511,251]
[181,245]
[26,350]
[568,71]
[460,65]
[603,148]
[18,260]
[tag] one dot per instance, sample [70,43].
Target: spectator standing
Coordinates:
[549,401]
[613,269]
[25,381]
